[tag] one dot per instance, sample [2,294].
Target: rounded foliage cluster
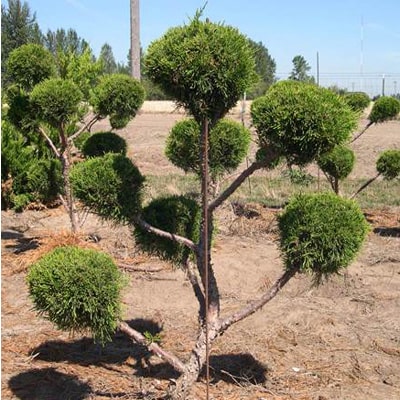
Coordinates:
[56,100]
[101,143]
[384,109]
[178,215]
[30,64]
[78,290]
[358,101]
[109,186]
[80,140]
[119,97]
[204,66]
[388,164]
[228,145]
[302,120]
[338,163]
[321,233]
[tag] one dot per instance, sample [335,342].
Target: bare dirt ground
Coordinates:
[340,341]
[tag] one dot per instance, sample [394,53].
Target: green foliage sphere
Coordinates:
[302,120]
[178,215]
[384,109]
[78,290]
[110,186]
[57,101]
[228,145]
[321,233]
[101,143]
[29,65]
[388,164]
[358,101]
[119,97]
[204,66]
[338,163]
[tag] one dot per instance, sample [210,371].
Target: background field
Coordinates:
[337,341]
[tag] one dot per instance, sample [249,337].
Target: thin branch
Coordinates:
[194,281]
[153,347]
[50,142]
[235,184]
[85,127]
[362,132]
[257,304]
[364,186]
[175,238]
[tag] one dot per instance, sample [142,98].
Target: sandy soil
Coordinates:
[337,341]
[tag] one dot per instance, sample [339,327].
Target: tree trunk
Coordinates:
[135,39]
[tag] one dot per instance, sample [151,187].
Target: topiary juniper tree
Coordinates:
[206,67]
[55,106]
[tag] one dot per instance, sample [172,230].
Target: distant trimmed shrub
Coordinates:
[388,164]
[101,143]
[338,163]
[78,290]
[228,145]
[80,140]
[384,109]
[292,118]
[358,101]
[118,96]
[110,186]
[178,215]
[321,233]
[29,65]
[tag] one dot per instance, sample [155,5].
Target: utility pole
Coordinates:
[317,68]
[383,84]
[135,39]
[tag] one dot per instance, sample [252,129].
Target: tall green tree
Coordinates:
[265,68]
[106,57]
[65,41]
[18,27]
[300,70]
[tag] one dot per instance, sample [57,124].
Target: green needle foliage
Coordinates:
[388,164]
[101,143]
[302,121]
[384,109]
[338,163]
[228,145]
[321,233]
[110,186]
[78,290]
[358,101]
[178,215]
[119,97]
[204,66]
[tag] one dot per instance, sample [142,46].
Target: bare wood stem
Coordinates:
[362,132]
[364,186]
[49,141]
[153,347]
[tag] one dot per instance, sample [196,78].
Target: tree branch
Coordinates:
[175,238]
[257,304]
[49,141]
[153,347]
[85,127]
[235,184]
[193,279]
[362,132]
[364,186]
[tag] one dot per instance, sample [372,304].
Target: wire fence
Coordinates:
[373,84]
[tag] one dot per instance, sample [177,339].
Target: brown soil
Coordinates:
[337,341]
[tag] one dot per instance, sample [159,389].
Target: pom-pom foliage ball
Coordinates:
[109,186]
[388,164]
[384,109]
[302,120]
[178,215]
[228,145]
[101,143]
[338,163]
[321,233]
[204,66]
[78,290]
[358,101]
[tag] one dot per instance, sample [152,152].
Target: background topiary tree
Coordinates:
[358,101]
[101,143]
[384,109]
[207,66]
[337,165]
[229,143]
[387,165]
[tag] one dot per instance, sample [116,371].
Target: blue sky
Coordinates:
[333,28]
